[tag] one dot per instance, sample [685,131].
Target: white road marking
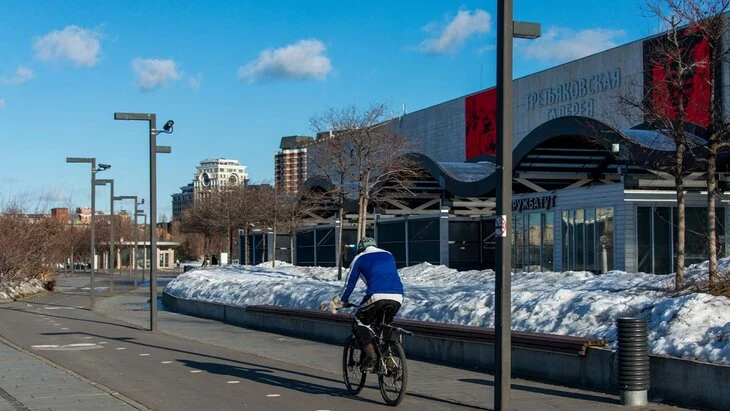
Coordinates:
[121,348]
[273,395]
[59,308]
[64,328]
[102,342]
[88,338]
[67,347]
[166,362]
[196,371]
[144,355]
[233,382]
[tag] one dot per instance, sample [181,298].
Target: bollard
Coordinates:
[633,360]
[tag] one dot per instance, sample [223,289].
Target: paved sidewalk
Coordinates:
[29,382]
[304,372]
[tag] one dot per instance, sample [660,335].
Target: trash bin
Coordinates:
[633,360]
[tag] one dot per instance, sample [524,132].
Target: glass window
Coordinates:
[590,232]
[579,240]
[547,241]
[604,230]
[519,263]
[662,243]
[534,237]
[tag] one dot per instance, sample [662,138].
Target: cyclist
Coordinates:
[383,296]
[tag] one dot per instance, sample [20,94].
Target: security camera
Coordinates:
[168,126]
[104,166]
[141,200]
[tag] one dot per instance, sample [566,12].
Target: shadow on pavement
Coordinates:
[547,391]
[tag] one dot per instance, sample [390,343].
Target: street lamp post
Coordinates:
[133,255]
[94,170]
[151,119]
[101,182]
[506,30]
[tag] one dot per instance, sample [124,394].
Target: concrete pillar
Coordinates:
[144,260]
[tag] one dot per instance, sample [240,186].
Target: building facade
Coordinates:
[217,173]
[182,200]
[591,187]
[290,163]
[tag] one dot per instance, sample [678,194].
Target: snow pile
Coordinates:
[690,325]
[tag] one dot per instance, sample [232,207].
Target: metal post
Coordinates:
[503,292]
[112,254]
[153,221]
[93,232]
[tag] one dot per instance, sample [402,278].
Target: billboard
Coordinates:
[481,124]
[662,64]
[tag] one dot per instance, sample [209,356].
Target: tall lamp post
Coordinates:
[101,182]
[133,255]
[506,30]
[151,119]
[94,170]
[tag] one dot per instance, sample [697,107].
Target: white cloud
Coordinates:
[73,43]
[559,45]
[302,60]
[2,103]
[452,38]
[195,81]
[21,75]
[153,73]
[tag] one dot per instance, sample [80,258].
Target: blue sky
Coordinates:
[237,76]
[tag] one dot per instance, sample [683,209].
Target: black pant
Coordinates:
[380,312]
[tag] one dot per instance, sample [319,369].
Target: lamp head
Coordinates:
[168,126]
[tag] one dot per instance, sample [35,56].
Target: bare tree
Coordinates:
[690,54]
[294,210]
[359,156]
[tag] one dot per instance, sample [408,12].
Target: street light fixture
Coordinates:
[94,170]
[506,30]
[151,120]
[133,255]
[112,265]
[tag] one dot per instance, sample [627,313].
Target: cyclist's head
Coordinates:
[364,243]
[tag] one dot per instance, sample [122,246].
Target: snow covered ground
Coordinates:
[691,325]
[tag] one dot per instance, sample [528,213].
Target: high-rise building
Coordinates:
[216,173]
[211,174]
[290,163]
[181,200]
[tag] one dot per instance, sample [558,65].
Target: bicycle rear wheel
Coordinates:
[354,378]
[393,380]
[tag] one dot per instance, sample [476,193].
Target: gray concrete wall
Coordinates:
[680,381]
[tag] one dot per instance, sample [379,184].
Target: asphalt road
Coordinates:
[164,372]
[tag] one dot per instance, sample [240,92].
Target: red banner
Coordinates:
[661,62]
[481,124]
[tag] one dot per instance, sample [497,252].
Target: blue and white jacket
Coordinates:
[377,269]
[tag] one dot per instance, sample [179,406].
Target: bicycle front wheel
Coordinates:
[354,378]
[393,380]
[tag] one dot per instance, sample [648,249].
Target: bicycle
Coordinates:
[391,367]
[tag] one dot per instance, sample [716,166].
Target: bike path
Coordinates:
[193,363]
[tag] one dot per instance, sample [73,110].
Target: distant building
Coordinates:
[181,200]
[217,173]
[211,174]
[60,214]
[82,215]
[290,163]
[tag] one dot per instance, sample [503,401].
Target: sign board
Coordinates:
[500,226]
